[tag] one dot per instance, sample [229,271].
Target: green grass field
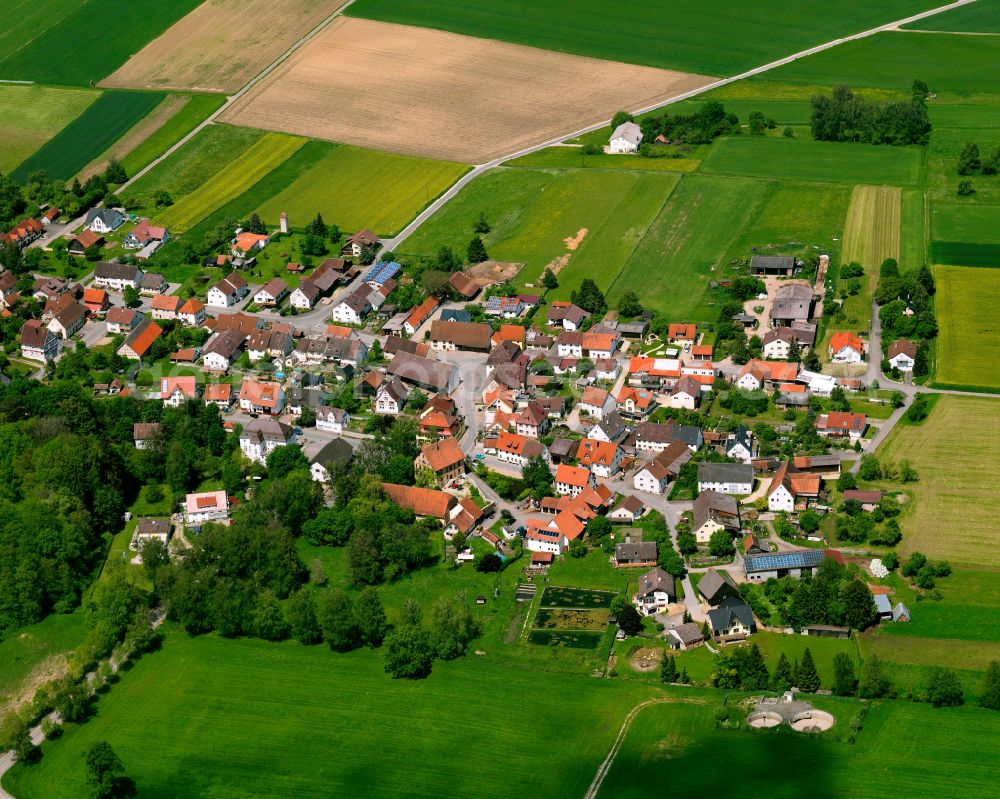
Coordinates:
[232,180]
[186,170]
[51,50]
[981,17]
[197,108]
[35,651]
[356,188]
[942,160]
[968,326]
[571,158]
[684,247]
[972,224]
[680,745]
[950,514]
[254,719]
[90,134]
[29,20]
[672,35]
[871,235]
[800,159]
[959,65]
[31,115]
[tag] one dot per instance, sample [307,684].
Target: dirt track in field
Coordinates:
[222,44]
[424,92]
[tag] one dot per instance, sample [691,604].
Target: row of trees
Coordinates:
[970,162]
[844,116]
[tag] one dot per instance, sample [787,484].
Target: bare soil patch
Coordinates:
[222,44]
[441,95]
[495,271]
[575,241]
[646,659]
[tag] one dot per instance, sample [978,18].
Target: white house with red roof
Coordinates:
[845,347]
[572,480]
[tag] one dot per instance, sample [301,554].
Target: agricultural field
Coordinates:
[683,248]
[221,45]
[103,122]
[84,45]
[966,235]
[256,719]
[31,115]
[981,17]
[870,236]
[797,159]
[357,188]
[571,157]
[452,97]
[190,166]
[547,218]
[968,326]
[942,163]
[679,743]
[959,431]
[232,180]
[197,108]
[697,38]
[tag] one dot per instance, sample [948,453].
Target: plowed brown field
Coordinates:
[441,95]
[222,44]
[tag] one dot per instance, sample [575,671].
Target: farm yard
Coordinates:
[103,123]
[220,45]
[969,327]
[265,720]
[31,115]
[453,97]
[959,431]
[50,48]
[697,38]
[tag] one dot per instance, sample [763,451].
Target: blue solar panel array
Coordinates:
[382,272]
[800,559]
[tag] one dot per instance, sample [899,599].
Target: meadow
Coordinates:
[35,651]
[972,224]
[950,511]
[968,326]
[670,35]
[870,236]
[56,54]
[249,718]
[232,180]
[357,188]
[30,19]
[190,166]
[197,108]
[802,159]
[942,162]
[570,157]
[31,115]
[91,133]
[905,749]
[981,17]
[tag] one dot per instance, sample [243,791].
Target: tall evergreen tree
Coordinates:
[477,251]
[806,676]
[370,617]
[844,682]
[989,688]
[668,669]
[318,227]
[782,680]
[754,675]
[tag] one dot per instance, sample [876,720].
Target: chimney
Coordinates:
[283,222]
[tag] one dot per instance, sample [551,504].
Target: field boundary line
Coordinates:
[409,230]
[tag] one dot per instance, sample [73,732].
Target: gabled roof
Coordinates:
[572,475]
[795,559]
[904,346]
[843,338]
[142,337]
[422,501]
[725,473]
[442,454]
[656,580]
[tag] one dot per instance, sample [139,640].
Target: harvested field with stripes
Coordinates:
[871,236]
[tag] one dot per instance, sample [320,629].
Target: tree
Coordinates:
[115,172]
[482,227]
[370,617]
[968,159]
[454,626]
[447,261]
[782,678]
[301,615]
[668,668]
[870,469]
[281,461]
[106,773]
[629,304]
[490,562]
[337,620]
[844,681]
[154,557]
[255,225]
[989,687]
[630,621]
[477,251]
[806,676]
[162,198]
[318,227]
[23,747]
[408,653]
[809,521]
[944,689]
[753,670]
[620,118]
[375,353]
[874,682]
[920,88]
[757,123]
[267,621]
[859,605]
[720,545]
[965,188]
[537,477]
[549,280]
[589,297]
[130,297]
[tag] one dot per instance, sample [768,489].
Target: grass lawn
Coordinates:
[50,49]
[186,170]
[802,159]
[968,326]
[959,65]
[680,745]
[264,720]
[232,180]
[980,17]
[31,115]
[357,188]
[197,108]
[684,247]
[36,651]
[90,134]
[672,35]
[593,571]
[959,431]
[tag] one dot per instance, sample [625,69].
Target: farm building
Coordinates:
[761,568]
[772,265]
